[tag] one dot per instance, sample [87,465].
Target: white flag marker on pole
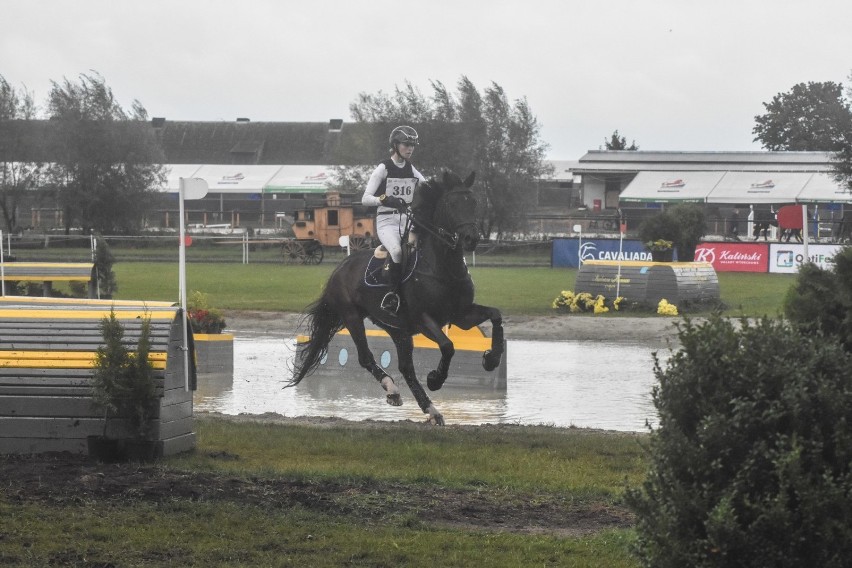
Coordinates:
[190,188]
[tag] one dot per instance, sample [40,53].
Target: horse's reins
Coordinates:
[449,238]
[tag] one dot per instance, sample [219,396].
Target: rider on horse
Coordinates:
[391,187]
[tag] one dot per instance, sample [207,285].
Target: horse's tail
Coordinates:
[323,322]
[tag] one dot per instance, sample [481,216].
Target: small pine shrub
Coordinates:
[104,260]
[751,463]
[123,384]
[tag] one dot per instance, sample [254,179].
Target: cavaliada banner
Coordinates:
[566,253]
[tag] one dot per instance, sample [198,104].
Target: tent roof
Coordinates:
[759,187]
[300,179]
[822,188]
[734,187]
[662,187]
[177,171]
[236,178]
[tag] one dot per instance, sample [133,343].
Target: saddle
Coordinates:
[375,267]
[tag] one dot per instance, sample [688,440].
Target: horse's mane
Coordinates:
[426,199]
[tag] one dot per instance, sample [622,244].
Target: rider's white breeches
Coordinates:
[389,229]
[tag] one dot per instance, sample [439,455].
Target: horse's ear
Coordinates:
[469,180]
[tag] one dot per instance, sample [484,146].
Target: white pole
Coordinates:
[620,257]
[2,267]
[805,233]
[182,288]
[579,230]
[94,245]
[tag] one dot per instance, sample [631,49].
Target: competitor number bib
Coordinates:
[401,187]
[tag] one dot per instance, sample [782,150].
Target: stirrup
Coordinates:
[390,302]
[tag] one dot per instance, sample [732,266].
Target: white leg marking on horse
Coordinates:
[393,396]
[435,417]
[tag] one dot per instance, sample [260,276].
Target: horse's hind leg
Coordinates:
[404,351]
[355,325]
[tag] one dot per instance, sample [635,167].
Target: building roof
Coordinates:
[617,161]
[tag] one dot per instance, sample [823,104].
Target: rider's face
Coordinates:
[405,149]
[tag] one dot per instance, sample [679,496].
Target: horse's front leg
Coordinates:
[475,316]
[428,327]
[404,353]
[355,325]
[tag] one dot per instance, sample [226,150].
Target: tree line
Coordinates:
[105,163]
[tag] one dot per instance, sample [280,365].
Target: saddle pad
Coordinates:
[373,274]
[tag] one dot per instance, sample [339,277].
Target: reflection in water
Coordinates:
[585,384]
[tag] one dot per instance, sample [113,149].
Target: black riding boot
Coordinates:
[390,302]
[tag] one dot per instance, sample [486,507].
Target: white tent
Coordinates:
[822,188]
[663,187]
[300,179]
[759,187]
[236,178]
[177,171]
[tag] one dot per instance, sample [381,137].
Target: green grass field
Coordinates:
[514,290]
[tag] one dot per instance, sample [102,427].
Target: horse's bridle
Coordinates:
[448,238]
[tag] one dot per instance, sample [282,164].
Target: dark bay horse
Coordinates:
[438,292]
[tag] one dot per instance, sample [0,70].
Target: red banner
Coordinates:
[734,257]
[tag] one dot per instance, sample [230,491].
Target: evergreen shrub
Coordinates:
[750,461]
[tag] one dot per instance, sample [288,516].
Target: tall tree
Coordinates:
[18,178]
[842,159]
[810,117]
[471,130]
[108,163]
[617,142]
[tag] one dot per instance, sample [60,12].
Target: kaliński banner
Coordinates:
[734,257]
[566,253]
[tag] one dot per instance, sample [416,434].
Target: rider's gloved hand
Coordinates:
[394,202]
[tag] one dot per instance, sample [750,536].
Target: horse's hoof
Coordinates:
[436,420]
[394,399]
[433,381]
[490,360]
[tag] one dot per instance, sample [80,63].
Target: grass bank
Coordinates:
[334,494]
[516,291]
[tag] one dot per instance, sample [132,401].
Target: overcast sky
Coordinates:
[671,74]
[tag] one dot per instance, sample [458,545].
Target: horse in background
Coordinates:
[438,291]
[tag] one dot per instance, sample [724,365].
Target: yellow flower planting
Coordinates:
[664,308]
[583,302]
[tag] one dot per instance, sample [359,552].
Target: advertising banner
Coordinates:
[786,258]
[566,253]
[734,256]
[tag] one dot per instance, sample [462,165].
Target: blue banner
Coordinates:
[566,253]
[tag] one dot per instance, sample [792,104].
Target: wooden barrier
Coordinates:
[47,355]
[214,353]
[49,272]
[465,369]
[649,282]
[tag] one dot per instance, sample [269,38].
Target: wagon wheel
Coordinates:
[313,253]
[360,242]
[292,252]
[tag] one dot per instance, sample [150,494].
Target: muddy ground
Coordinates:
[63,478]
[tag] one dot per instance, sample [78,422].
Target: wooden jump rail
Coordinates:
[47,358]
[49,272]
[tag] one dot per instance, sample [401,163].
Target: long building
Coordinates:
[260,171]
